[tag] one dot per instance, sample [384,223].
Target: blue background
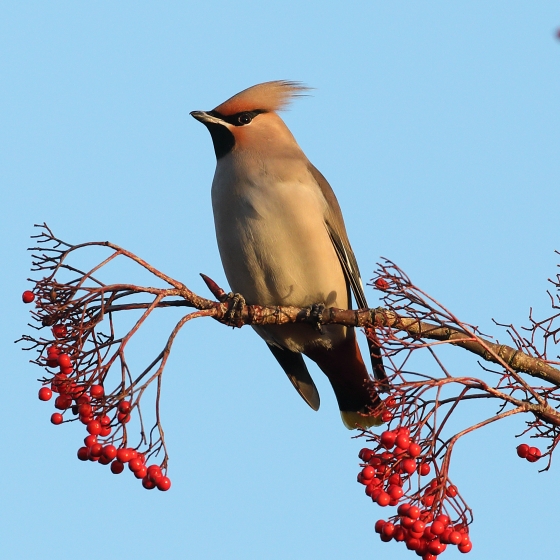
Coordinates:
[438,126]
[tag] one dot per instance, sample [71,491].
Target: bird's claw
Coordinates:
[316,315]
[234,314]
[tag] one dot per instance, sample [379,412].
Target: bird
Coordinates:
[282,241]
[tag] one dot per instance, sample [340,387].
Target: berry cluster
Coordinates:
[83,399]
[532,454]
[422,522]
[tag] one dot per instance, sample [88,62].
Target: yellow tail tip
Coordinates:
[355,420]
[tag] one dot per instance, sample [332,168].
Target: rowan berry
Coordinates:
[105,431]
[386,416]
[365,454]
[403,441]
[451,491]
[85,409]
[403,508]
[163,483]
[64,360]
[83,453]
[413,512]
[437,528]
[57,418]
[522,450]
[110,452]
[388,529]
[141,473]
[533,455]
[59,331]
[412,543]
[117,467]
[383,499]
[400,534]
[388,439]
[125,407]
[103,460]
[148,483]
[94,427]
[455,538]
[368,473]
[396,492]
[395,479]
[443,519]
[97,391]
[408,466]
[28,296]
[45,394]
[123,418]
[414,450]
[154,472]
[379,524]
[124,455]
[135,464]
[90,440]
[465,547]
[95,450]
[381,284]
[62,402]
[423,469]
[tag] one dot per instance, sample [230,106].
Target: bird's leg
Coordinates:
[236,303]
[315,315]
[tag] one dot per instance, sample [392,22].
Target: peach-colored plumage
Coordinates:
[269,96]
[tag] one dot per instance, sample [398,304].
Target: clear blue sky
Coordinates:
[437,124]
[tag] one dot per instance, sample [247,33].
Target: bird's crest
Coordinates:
[268,96]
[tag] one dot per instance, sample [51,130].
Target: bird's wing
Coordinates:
[296,370]
[337,232]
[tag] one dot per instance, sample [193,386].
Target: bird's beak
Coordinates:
[205,118]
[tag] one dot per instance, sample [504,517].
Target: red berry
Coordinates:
[148,483]
[414,450]
[403,509]
[403,441]
[85,409]
[436,547]
[124,455]
[412,543]
[381,284]
[418,526]
[465,547]
[95,450]
[522,450]
[123,418]
[400,534]
[64,361]
[125,407]
[96,391]
[443,519]
[413,512]
[45,394]
[534,454]
[90,440]
[105,431]
[365,454]
[383,499]
[117,467]
[57,418]
[451,491]
[28,296]
[104,420]
[395,479]
[135,464]
[109,451]
[408,465]
[83,453]
[94,427]
[423,469]
[379,524]
[388,439]
[141,473]
[154,472]
[386,416]
[396,492]
[103,460]
[163,483]
[59,331]
[368,473]
[62,402]
[455,538]
[388,529]
[437,528]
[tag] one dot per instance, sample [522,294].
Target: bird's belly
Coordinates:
[276,250]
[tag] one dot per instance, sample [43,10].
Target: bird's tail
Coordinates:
[351,382]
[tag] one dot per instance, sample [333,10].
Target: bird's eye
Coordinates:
[244,118]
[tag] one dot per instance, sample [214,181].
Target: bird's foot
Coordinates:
[234,314]
[315,314]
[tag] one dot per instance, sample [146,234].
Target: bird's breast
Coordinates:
[273,240]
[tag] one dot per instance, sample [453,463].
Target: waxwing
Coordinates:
[282,241]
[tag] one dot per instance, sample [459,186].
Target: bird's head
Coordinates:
[248,120]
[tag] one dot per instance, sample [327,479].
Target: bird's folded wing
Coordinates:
[296,370]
